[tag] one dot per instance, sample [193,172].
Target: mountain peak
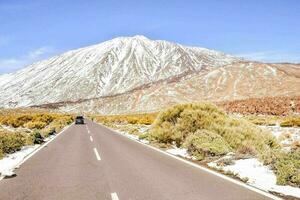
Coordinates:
[109,68]
[141,37]
[131,38]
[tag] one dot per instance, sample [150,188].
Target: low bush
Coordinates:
[1,154]
[287,168]
[295,145]
[35,138]
[33,119]
[205,121]
[263,120]
[290,122]
[58,124]
[35,125]
[47,131]
[143,136]
[204,143]
[245,150]
[145,119]
[11,142]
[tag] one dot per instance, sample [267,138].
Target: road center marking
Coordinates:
[91,138]
[114,196]
[97,154]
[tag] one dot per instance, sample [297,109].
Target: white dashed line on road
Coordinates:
[91,138]
[87,128]
[97,154]
[114,196]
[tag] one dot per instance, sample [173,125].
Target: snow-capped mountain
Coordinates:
[136,74]
[106,69]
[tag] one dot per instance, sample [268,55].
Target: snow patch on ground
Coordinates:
[11,161]
[178,152]
[259,176]
[285,135]
[182,152]
[134,137]
[144,128]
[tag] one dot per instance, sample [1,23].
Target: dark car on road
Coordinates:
[79,120]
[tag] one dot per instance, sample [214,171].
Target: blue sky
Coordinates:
[31,30]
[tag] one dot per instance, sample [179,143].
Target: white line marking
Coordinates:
[91,138]
[97,154]
[252,188]
[88,130]
[114,196]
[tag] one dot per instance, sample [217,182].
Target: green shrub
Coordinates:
[266,120]
[246,149]
[35,138]
[1,154]
[47,131]
[145,119]
[291,122]
[204,143]
[143,136]
[287,169]
[179,122]
[11,142]
[162,133]
[57,125]
[16,120]
[46,118]
[35,125]
[32,119]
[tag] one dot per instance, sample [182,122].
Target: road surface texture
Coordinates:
[94,163]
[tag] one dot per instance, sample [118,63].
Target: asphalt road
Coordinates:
[92,162]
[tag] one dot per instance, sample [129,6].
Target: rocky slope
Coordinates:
[237,81]
[136,74]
